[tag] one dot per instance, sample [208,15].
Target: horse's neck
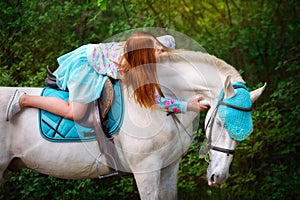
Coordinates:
[187,74]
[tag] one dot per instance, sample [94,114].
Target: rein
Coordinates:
[177,121]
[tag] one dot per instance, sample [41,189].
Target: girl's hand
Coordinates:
[196,106]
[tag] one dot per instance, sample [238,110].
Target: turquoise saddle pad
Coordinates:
[58,129]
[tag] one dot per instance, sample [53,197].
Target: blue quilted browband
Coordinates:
[235,112]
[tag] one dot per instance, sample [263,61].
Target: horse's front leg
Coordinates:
[168,181]
[4,162]
[148,184]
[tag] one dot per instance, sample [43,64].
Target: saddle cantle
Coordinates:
[50,80]
[106,98]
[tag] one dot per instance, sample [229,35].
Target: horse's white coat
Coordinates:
[149,144]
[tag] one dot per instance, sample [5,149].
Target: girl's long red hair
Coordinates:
[139,67]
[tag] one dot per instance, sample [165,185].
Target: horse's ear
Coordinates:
[256,93]
[228,89]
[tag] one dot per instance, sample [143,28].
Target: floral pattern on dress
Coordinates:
[167,40]
[171,105]
[105,58]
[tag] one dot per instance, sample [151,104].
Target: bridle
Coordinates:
[204,149]
[211,121]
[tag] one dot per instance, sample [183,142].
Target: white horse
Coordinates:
[149,144]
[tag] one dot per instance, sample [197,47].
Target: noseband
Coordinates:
[211,121]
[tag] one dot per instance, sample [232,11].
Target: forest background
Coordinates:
[260,38]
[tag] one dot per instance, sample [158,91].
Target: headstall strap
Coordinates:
[210,146]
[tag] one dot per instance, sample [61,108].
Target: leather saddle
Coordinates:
[105,100]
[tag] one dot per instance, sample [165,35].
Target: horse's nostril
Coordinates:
[212,178]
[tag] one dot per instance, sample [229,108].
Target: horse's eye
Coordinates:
[219,122]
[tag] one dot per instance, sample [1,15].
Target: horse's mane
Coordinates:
[197,56]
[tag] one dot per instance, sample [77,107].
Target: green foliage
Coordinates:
[102,4]
[31,185]
[259,38]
